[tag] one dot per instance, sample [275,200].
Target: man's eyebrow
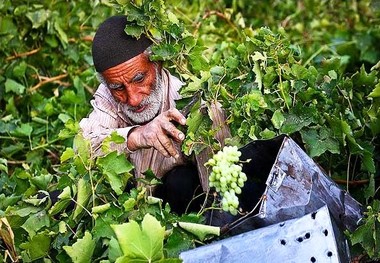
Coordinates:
[114,85]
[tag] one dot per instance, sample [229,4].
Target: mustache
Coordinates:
[144,103]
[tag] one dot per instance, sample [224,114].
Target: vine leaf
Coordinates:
[199,230]
[375,92]
[82,250]
[113,166]
[141,244]
[319,143]
[12,85]
[84,193]
[36,222]
[114,138]
[67,154]
[37,247]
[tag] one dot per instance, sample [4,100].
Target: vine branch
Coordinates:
[24,54]
[47,80]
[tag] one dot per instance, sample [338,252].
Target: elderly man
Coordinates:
[136,98]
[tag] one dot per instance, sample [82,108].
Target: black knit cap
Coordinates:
[112,46]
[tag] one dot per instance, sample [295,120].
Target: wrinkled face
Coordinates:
[137,85]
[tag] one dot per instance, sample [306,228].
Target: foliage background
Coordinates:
[306,68]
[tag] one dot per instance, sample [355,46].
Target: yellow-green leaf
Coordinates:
[143,243]
[375,92]
[82,250]
[67,154]
[84,193]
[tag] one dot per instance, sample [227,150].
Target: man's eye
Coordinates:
[138,78]
[116,86]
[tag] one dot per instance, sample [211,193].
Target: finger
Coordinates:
[161,148]
[175,115]
[171,130]
[167,144]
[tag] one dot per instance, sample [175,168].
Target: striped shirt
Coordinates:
[107,116]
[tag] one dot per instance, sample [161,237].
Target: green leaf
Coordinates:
[232,62]
[199,230]
[64,117]
[134,30]
[319,143]
[62,203]
[198,61]
[12,149]
[163,52]
[24,130]
[297,119]
[113,138]
[115,163]
[267,134]
[35,222]
[83,148]
[258,75]
[361,78]
[82,250]
[103,227]
[8,201]
[368,157]
[61,33]
[129,204]
[368,234]
[116,181]
[3,165]
[59,206]
[143,243]
[177,242]
[114,250]
[67,154]
[332,74]
[83,195]
[172,17]
[38,17]
[375,93]
[69,97]
[37,247]
[19,70]
[100,208]
[42,181]
[300,72]
[277,119]
[7,26]
[116,168]
[14,86]
[369,191]
[23,212]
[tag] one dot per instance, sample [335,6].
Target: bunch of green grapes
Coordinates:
[227,177]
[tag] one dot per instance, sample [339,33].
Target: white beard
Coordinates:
[153,104]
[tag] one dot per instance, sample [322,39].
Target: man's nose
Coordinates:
[133,98]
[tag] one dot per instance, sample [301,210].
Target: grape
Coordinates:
[226,177]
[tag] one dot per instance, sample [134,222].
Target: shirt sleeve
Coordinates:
[101,122]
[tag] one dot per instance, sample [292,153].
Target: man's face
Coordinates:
[137,85]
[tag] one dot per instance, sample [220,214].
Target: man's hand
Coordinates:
[159,134]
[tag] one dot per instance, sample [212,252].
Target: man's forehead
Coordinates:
[129,68]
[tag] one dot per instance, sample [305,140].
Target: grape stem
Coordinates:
[226,228]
